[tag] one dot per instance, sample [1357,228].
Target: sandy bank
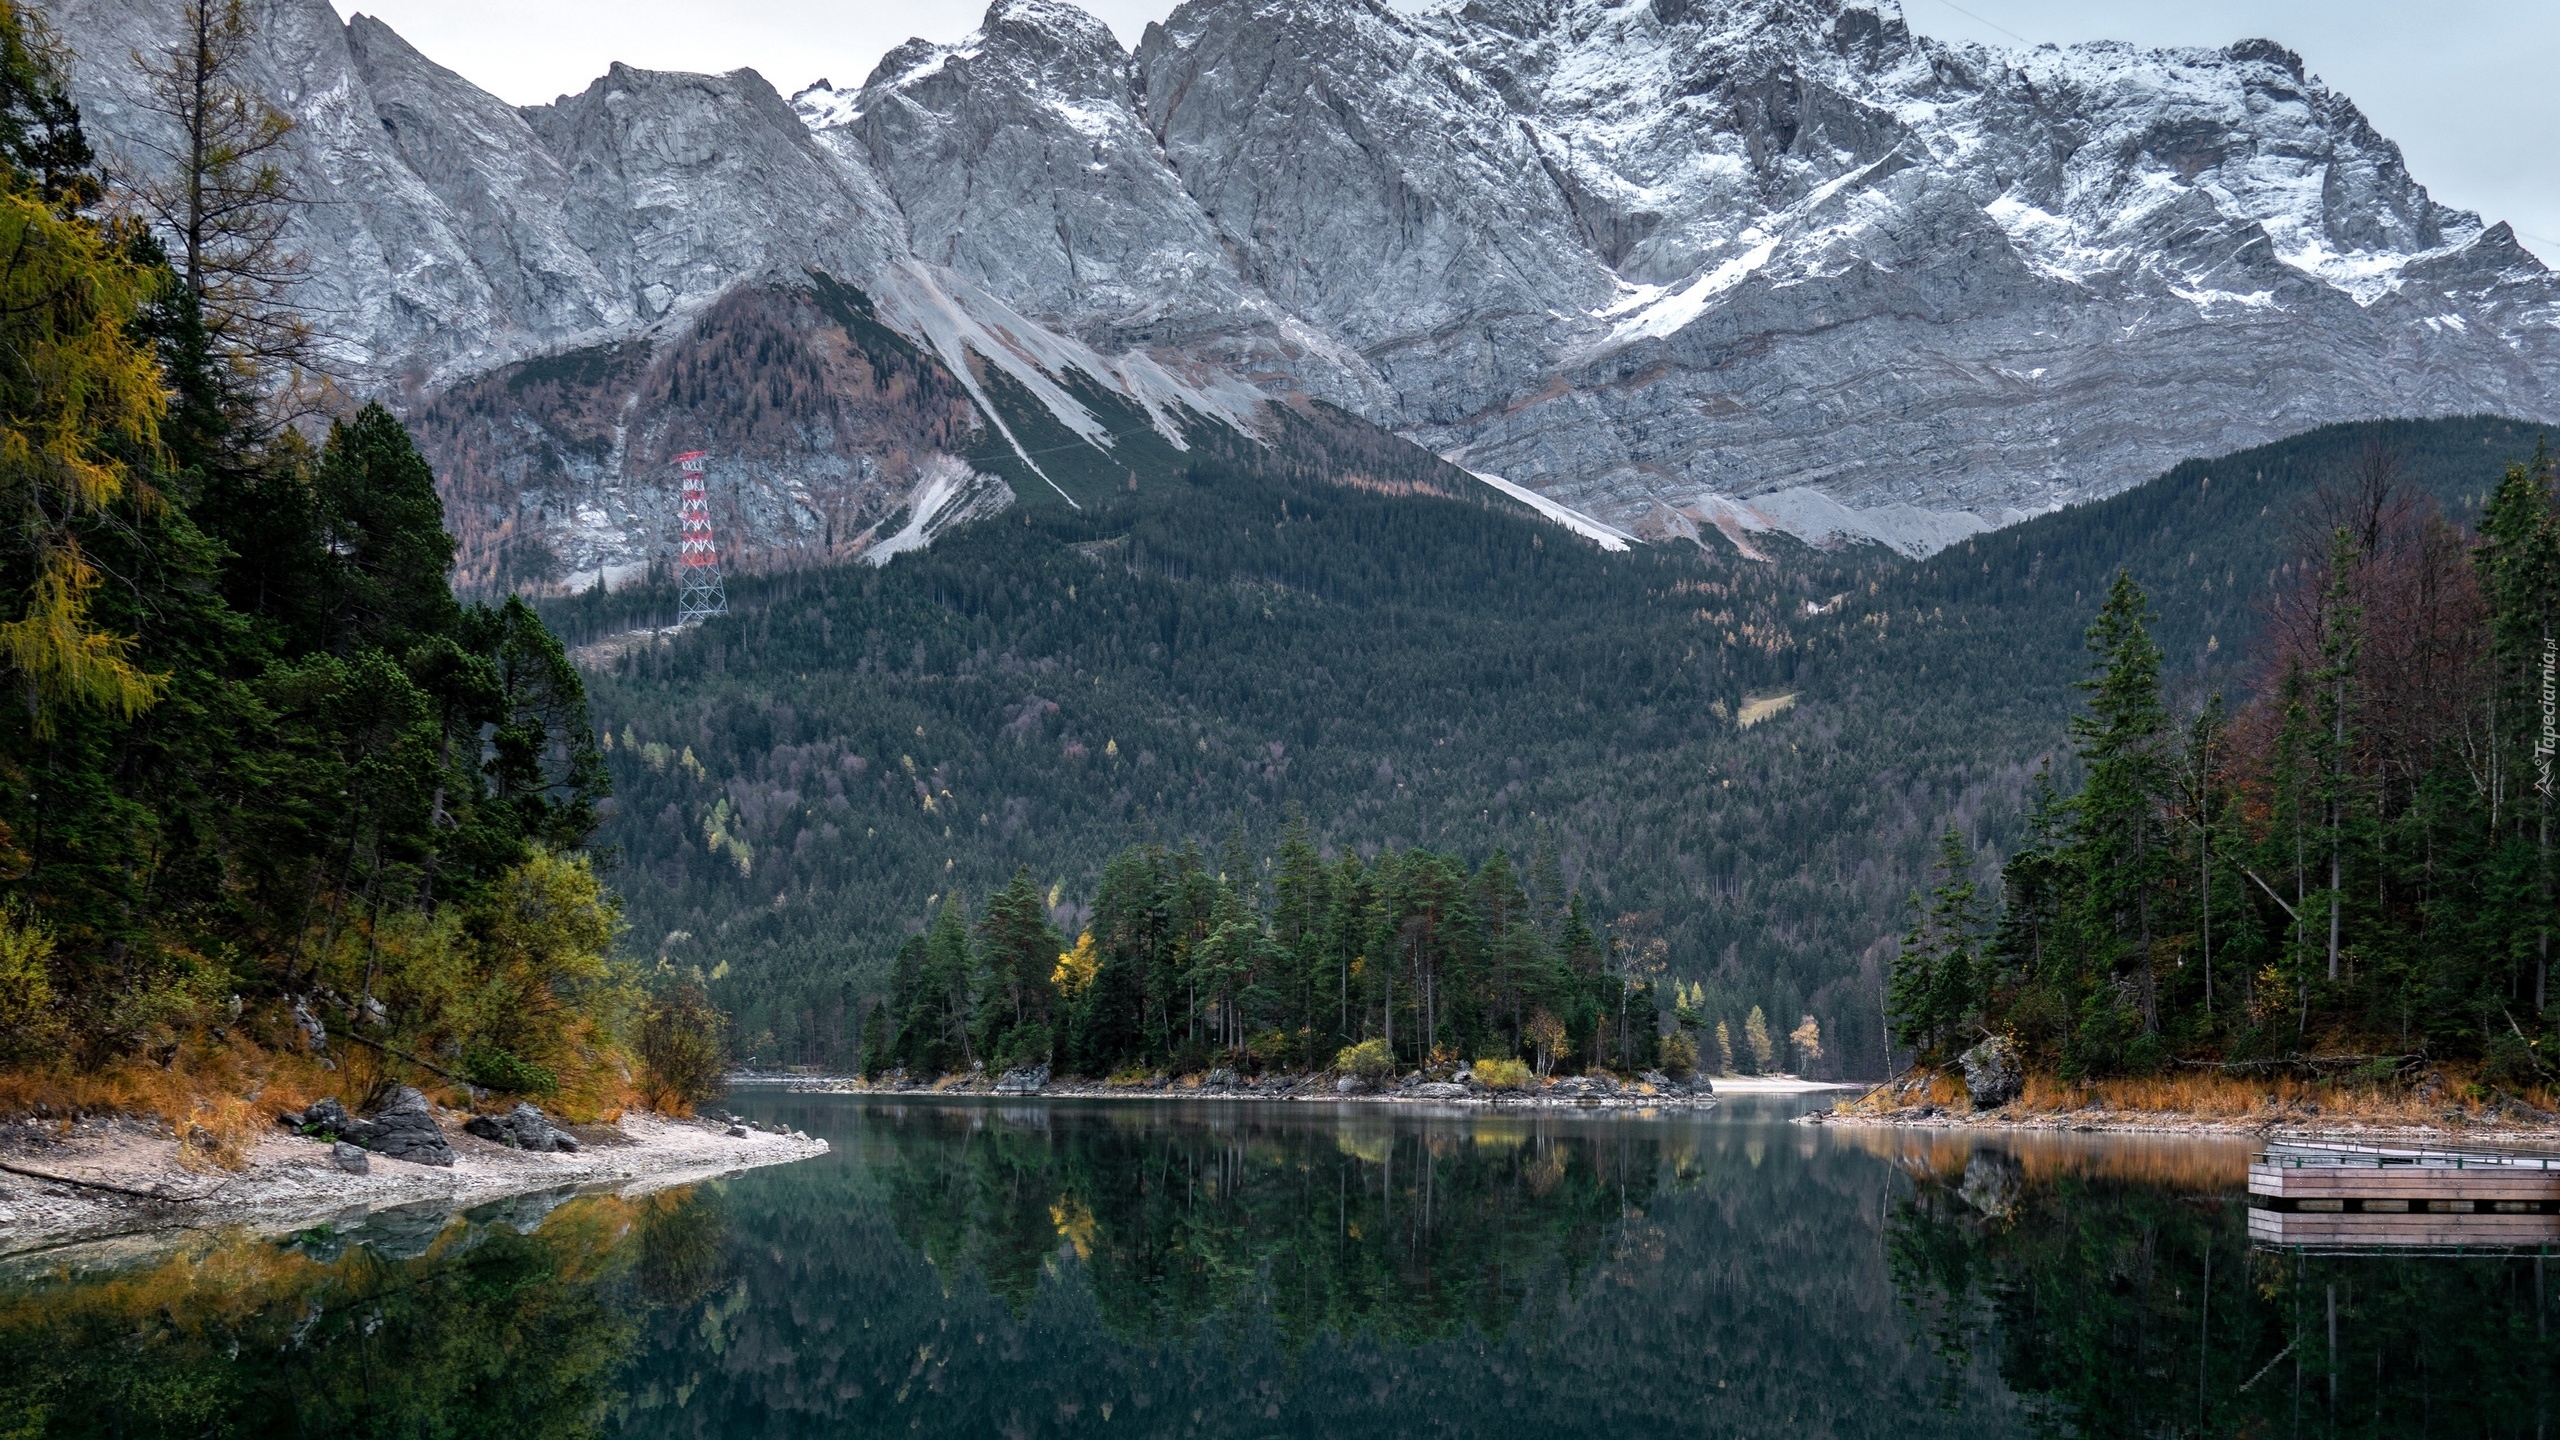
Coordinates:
[291,1183]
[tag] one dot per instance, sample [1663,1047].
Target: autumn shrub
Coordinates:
[30,1024]
[1679,1055]
[682,1049]
[1368,1060]
[1502,1074]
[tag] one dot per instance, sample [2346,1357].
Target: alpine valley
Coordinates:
[1677,441]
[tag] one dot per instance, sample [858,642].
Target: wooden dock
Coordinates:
[2376,1178]
[2359,1197]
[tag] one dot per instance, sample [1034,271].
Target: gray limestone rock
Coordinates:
[523,1128]
[1667,263]
[403,1128]
[1026,1080]
[1993,1072]
[350,1158]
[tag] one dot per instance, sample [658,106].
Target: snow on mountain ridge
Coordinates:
[1653,259]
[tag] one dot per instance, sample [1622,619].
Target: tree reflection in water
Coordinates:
[1255,1269]
[2127,1300]
[1413,1232]
[514,1322]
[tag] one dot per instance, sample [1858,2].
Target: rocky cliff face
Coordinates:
[1682,265]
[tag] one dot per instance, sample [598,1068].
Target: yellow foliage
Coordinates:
[77,392]
[1502,1074]
[29,1028]
[1077,967]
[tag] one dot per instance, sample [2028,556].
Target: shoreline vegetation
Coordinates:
[2333,906]
[1651,1090]
[283,821]
[2437,1107]
[1298,973]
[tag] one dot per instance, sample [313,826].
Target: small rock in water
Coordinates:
[1992,1072]
[350,1158]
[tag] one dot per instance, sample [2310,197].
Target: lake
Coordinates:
[1274,1269]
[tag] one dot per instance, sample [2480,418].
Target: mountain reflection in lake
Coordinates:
[1279,1269]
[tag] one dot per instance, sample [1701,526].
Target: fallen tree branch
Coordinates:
[350,1034]
[2271,893]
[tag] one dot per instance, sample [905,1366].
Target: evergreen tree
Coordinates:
[1933,994]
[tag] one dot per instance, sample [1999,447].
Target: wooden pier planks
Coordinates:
[2486,1184]
[2412,1231]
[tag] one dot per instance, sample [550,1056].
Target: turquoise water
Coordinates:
[1244,1269]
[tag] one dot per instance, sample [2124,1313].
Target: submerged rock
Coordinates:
[1992,1072]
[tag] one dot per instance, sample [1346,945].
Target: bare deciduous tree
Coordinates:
[220,197]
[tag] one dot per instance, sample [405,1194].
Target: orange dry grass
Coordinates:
[2209,1095]
[218,1099]
[1928,1087]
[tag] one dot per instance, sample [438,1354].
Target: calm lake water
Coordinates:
[1298,1270]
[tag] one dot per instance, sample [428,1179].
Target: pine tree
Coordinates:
[1933,993]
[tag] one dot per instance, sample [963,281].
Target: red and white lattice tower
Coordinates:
[704,596]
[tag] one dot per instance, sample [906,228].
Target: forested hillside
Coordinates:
[805,783]
[2348,864]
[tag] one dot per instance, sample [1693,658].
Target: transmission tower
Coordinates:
[704,596]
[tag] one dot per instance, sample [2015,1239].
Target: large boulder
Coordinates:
[1993,1072]
[523,1128]
[404,1128]
[1023,1080]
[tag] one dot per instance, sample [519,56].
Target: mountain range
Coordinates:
[1656,269]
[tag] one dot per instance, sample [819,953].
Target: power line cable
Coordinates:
[1979,20]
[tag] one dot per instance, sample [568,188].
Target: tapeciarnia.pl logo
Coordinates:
[2549,739]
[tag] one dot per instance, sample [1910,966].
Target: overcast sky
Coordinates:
[2463,85]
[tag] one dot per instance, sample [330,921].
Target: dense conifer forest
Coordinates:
[1743,767]
[2344,861]
[266,782]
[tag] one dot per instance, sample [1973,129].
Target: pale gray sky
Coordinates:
[2463,85]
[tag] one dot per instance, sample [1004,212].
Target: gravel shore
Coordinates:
[68,1183]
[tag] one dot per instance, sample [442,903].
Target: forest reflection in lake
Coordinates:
[1279,1269]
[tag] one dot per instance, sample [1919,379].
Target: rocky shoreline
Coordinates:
[1990,1094]
[1651,1090]
[69,1183]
